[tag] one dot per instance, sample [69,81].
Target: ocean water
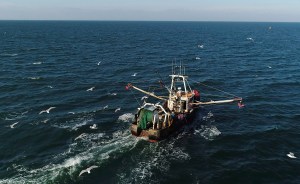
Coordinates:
[47,64]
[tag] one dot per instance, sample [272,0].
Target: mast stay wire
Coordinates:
[135,97]
[230,94]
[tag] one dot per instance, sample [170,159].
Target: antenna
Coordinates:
[175,66]
[180,68]
[172,67]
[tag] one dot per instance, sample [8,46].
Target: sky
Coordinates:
[152,10]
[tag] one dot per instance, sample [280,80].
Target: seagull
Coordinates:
[71,112]
[94,127]
[91,89]
[269,66]
[99,63]
[24,112]
[13,125]
[200,46]
[117,109]
[133,75]
[197,58]
[50,87]
[105,107]
[47,110]
[144,97]
[88,170]
[45,121]
[251,39]
[113,94]
[291,155]
[81,136]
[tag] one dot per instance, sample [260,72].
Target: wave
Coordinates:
[5,54]
[14,116]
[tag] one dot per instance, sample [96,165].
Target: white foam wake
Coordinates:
[69,163]
[208,132]
[126,117]
[154,157]
[76,123]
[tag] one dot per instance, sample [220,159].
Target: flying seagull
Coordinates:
[133,75]
[47,110]
[251,39]
[81,136]
[91,89]
[93,127]
[88,170]
[144,97]
[99,63]
[291,155]
[45,121]
[117,109]
[13,125]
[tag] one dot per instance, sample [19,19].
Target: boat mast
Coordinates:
[180,94]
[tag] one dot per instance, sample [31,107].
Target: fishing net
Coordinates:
[145,116]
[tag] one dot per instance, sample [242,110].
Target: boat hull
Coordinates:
[154,135]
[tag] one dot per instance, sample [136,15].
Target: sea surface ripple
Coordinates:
[47,64]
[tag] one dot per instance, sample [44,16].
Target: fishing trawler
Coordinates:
[157,121]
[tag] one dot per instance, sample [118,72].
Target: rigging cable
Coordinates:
[135,97]
[215,88]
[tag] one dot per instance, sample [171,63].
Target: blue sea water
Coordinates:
[47,64]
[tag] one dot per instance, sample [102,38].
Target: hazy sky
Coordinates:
[190,10]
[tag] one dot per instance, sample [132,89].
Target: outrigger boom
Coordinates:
[212,102]
[129,85]
[218,102]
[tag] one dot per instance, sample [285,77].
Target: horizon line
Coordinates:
[106,20]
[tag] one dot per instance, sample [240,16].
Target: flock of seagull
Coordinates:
[94,126]
[50,108]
